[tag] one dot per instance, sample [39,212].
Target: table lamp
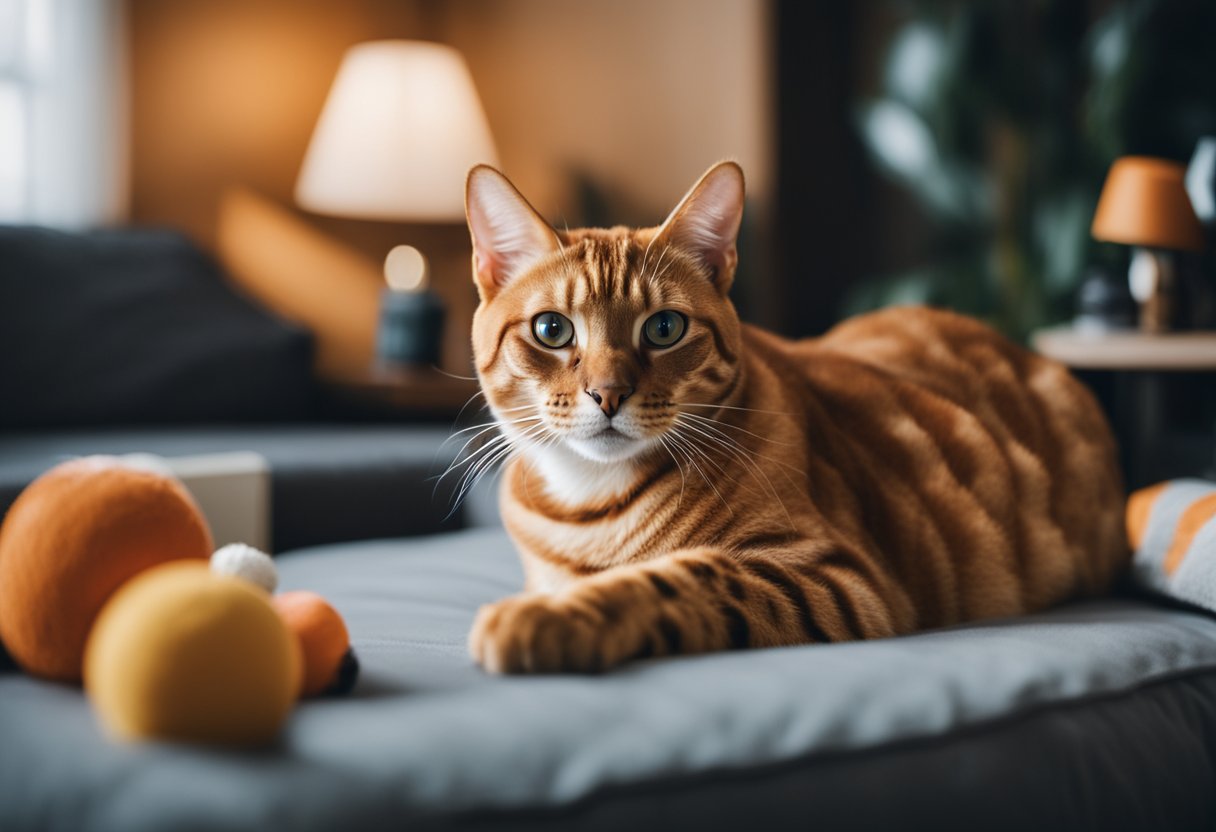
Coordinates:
[399,131]
[1144,204]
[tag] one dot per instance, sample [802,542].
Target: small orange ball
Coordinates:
[324,640]
[72,538]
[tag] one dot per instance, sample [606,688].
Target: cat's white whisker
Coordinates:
[666,269]
[493,424]
[456,420]
[488,461]
[467,402]
[692,461]
[659,262]
[706,457]
[646,254]
[731,407]
[728,438]
[646,258]
[743,455]
[474,474]
[459,462]
[736,427]
[444,372]
[679,501]
[703,450]
[759,474]
[691,453]
[484,428]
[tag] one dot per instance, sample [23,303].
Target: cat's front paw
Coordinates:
[537,634]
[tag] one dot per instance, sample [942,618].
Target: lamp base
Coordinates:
[1153,282]
[411,328]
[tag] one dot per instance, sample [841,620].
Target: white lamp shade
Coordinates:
[399,131]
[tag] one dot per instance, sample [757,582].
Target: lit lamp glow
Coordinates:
[1144,203]
[400,129]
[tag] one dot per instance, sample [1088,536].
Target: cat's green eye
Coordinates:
[552,330]
[662,329]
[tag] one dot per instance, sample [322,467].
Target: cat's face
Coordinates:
[593,341]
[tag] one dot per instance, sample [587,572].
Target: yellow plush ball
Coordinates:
[180,653]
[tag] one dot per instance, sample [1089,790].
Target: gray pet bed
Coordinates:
[1099,715]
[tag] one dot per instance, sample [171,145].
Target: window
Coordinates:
[61,148]
[18,24]
[13,185]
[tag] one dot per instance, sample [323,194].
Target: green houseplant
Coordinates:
[1002,118]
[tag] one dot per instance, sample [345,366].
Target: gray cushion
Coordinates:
[749,736]
[329,483]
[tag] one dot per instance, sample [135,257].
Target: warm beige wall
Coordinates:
[226,92]
[225,95]
[641,94]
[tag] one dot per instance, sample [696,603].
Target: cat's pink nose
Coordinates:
[609,397]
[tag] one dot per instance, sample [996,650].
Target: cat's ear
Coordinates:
[508,234]
[706,222]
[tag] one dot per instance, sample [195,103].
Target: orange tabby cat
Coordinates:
[681,482]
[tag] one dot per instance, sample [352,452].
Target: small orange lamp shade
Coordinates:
[1144,203]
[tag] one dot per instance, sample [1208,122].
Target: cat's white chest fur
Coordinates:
[573,481]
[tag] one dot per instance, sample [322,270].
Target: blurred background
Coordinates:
[942,152]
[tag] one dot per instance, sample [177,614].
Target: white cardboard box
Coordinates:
[232,489]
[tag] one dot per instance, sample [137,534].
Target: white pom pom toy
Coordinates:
[243,561]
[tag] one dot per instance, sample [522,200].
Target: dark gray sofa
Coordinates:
[131,341]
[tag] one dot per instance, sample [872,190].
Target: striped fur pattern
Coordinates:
[910,469]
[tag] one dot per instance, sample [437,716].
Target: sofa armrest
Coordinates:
[327,483]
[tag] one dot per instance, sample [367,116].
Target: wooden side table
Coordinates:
[421,392]
[1142,368]
[1128,350]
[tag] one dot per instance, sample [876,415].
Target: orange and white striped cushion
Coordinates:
[1172,528]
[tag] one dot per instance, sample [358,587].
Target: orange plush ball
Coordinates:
[329,663]
[72,538]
